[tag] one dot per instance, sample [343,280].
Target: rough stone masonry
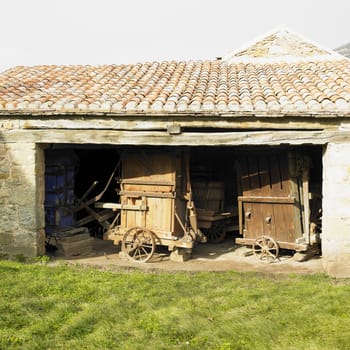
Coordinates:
[21,200]
[336,210]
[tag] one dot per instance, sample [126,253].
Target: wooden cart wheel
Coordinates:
[266,248]
[217,233]
[138,244]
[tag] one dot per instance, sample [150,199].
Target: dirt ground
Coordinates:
[205,257]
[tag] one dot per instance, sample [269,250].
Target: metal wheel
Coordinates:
[266,248]
[138,244]
[216,233]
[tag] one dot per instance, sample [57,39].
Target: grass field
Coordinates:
[45,307]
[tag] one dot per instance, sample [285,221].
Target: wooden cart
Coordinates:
[214,220]
[215,225]
[274,205]
[155,204]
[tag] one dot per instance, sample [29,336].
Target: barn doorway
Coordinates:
[73,170]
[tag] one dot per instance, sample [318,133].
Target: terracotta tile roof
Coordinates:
[172,87]
[274,87]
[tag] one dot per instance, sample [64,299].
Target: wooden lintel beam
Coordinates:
[159,138]
[169,122]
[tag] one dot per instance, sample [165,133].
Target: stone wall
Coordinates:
[21,200]
[336,210]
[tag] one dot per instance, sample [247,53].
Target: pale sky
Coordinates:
[130,31]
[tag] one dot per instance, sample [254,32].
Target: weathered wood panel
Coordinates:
[143,169]
[162,123]
[271,205]
[149,179]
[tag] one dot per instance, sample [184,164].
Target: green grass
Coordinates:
[45,307]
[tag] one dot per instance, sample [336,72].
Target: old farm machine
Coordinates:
[276,207]
[155,205]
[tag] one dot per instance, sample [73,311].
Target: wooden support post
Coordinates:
[305,178]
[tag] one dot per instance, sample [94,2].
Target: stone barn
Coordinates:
[278,93]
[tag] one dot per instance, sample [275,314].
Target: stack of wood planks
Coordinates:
[75,242]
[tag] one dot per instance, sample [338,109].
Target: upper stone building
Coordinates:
[281,44]
[344,50]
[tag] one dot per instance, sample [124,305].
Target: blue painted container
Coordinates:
[60,169]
